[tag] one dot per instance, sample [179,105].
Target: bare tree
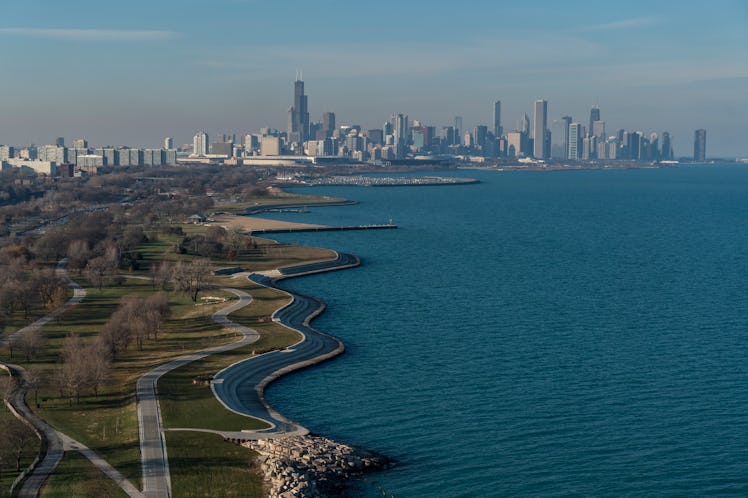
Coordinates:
[31,343]
[34,382]
[192,277]
[156,310]
[17,436]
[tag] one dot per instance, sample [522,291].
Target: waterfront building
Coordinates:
[567,122]
[540,125]
[575,142]
[699,145]
[594,116]
[666,153]
[200,144]
[516,144]
[497,131]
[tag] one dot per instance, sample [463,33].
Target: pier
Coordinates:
[386,226]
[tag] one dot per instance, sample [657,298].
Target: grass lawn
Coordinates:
[77,476]
[203,465]
[8,472]
[107,423]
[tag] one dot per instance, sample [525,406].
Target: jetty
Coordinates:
[312,228]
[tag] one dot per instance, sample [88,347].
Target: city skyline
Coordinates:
[151,70]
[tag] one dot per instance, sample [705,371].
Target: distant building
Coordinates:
[666,148]
[168,143]
[540,125]
[80,143]
[458,129]
[298,114]
[60,142]
[328,123]
[270,146]
[497,131]
[575,142]
[200,144]
[699,145]
[594,116]
[516,144]
[6,152]
[48,168]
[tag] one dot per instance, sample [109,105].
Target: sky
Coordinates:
[132,73]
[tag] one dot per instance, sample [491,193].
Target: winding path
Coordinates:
[240,387]
[57,442]
[154,458]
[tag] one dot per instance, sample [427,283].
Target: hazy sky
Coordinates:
[134,72]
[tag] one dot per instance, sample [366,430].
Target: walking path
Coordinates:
[240,387]
[78,294]
[57,442]
[154,458]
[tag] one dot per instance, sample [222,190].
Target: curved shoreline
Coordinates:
[241,386]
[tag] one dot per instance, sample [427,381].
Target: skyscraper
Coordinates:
[497,131]
[458,129]
[200,144]
[575,142]
[540,125]
[667,147]
[567,122]
[299,113]
[524,124]
[699,145]
[594,116]
[328,123]
[168,143]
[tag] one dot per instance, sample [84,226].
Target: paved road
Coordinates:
[240,387]
[156,476]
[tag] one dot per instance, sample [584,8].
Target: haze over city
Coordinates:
[130,74]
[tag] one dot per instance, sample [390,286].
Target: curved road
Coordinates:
[156,476]
[240,387]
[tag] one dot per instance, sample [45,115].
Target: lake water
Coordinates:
[539,333]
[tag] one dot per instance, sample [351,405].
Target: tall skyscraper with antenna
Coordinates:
[594,116]
[299,113]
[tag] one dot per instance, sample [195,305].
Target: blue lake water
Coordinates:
[544,334]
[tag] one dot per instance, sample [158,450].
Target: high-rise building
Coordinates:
[458,129]
[168,143]
[80,143]
[480,136]
[328,123]
[497,131]
[598,129]
[400,132]
[594,116]
[60,142]
[666,153]
[524,124]
[200,144]
[298,114]
[699,145]
[575,142]
[567,122]
[540,125]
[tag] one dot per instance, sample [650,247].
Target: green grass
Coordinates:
[77,476]
[8,467]
[107,423]
[203,465]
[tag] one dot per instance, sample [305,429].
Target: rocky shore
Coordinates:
[311,466]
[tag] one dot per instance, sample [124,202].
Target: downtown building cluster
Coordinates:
[401,139]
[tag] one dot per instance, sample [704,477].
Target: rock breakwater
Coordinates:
[311,466]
